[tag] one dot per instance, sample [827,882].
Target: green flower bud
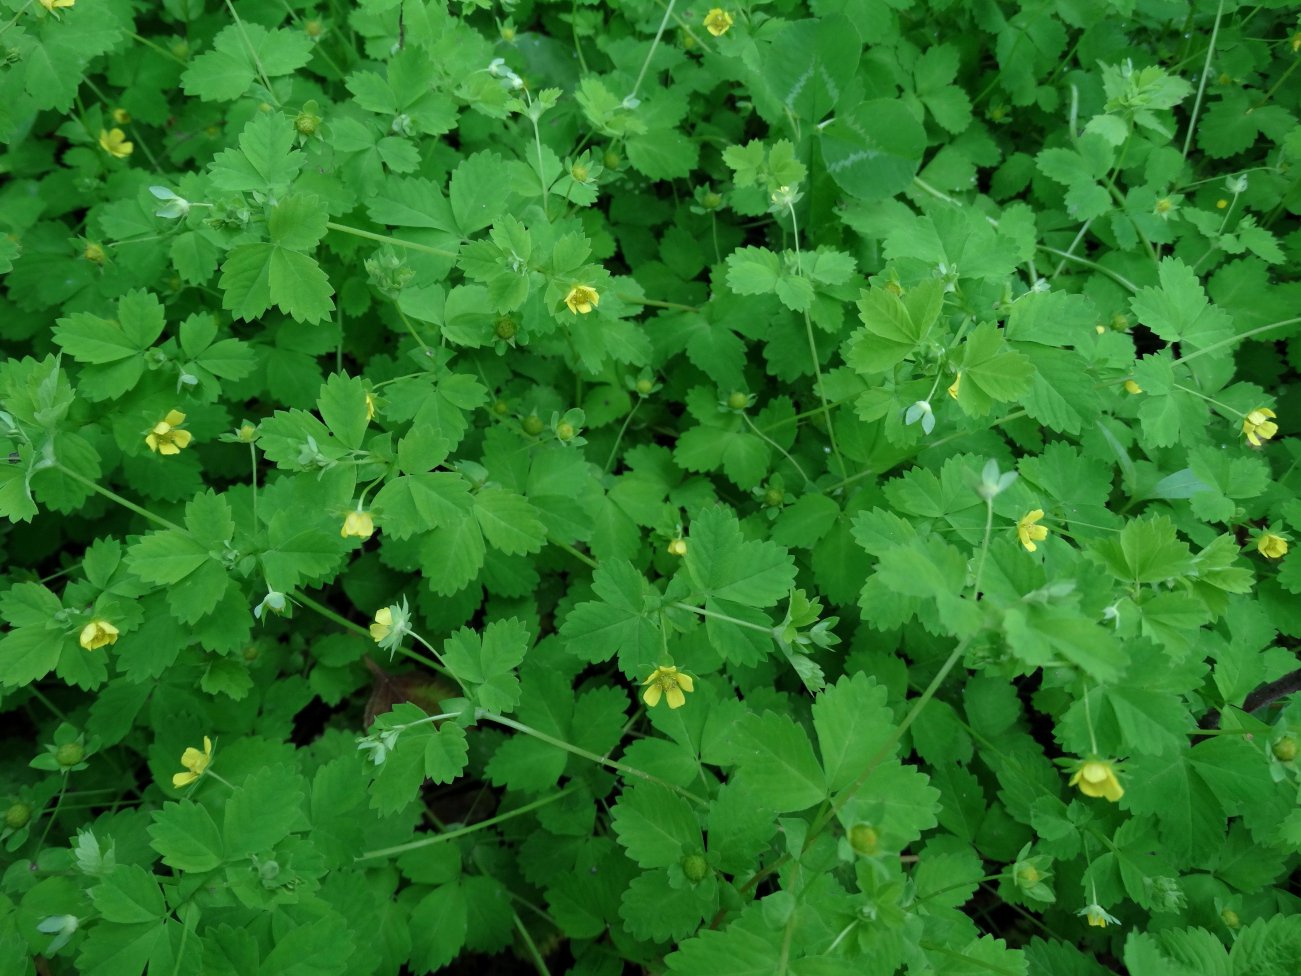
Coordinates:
[17,816]
[774,497]
[864,838]
[1285,749]
[69,754]
[532,425]
[506,328]
[501,408]
[565,431]
[612,159]
[1230,918]
[738,400]
[695,867]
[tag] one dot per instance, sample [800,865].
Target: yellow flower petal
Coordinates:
[652,695]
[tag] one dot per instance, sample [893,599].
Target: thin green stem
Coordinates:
[1232,339]
[386,239]
[40,845]
[569,747]
[253,55]
[655,303]
[252,454]
[1085,262]
[538,962]
[781,450]
[115,497]
[1201,86]
[701,611]
[416,845]
[578,554]
[664,22]
[619,438]
[813,349]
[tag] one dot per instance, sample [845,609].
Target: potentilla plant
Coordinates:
[787,488]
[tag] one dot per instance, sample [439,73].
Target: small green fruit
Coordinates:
[69,754]
[1285,749]
[864,838]
[17,816]
[738,400]
[565,431]
[695,867]
[532,425]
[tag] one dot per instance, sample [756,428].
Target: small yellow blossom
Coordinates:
[195,762]
[1028,532]
[669,683]
[1132,388]
[165,437]
[1271,546]
[582,299]
[115,143]
[677,547]
[718,21]
[1258,426]
[1221,203]
[953,388]
[370,408]
[121,116]
[383,625]
[50,5]
[1098,917]
[1100,329]
[357,524]
[1096,778]
[97,634]
[94,253]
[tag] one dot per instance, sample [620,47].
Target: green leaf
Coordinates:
[874,150]
[509,522]
[438,928]
[721,564]
[811,64]
[265,161]
[892,327]
[263,810]
[129,895]
[622,622]
[478,192]
[241,53]
[990,371]
[1178,310]
[853,723]
[256,276]
[655,826]
[414,503]
[487,665]
[1147,550]
[186,836]
[775,761]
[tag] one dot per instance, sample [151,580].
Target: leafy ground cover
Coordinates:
[576,488]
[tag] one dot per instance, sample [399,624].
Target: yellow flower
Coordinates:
[114,142]
[582,299]
[1258,427]
[165,437]
[94,253]
[1221,203]
[1271,546]
[677,547]
[670,684]
[195,763]
[1132,388]
[1096,778]
[383,625]
[1098,917]
[97,634]
[51,4]
[358,524]
[370,408]
[718,21]
[1028,532]
[953,388]
[120,115]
